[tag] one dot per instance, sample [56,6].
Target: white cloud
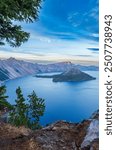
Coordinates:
[41,38]
[96,35]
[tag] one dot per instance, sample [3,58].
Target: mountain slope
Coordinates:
[4,74]
[12,68]
[72,75]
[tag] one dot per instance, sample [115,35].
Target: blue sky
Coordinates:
[65,30]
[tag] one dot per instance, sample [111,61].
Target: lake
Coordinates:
[70,101]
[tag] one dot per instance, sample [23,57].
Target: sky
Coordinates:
[66,30]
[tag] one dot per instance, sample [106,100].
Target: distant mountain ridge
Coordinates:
[12,68]
[87,68]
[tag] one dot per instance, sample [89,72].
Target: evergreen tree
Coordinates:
[3,99]
[27,115]
[36,110]
[16,10]
[18,115]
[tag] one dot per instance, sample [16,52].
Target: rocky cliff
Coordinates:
[12,68]
[57,136]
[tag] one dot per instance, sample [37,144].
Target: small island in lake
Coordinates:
[71,75]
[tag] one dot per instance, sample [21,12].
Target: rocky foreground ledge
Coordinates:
[57,136]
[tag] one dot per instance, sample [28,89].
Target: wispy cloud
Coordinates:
[50,57]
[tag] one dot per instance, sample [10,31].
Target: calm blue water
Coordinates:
[64,101]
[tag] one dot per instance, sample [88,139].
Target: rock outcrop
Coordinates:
[57,136]
[92,134]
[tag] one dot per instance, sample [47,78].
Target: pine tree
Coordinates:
[16,10]
[27,115]
[18,115]
[36,110]
[3,99]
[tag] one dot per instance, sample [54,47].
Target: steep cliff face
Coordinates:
[12,68]
[4,74]
[57,136]
[92,134]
